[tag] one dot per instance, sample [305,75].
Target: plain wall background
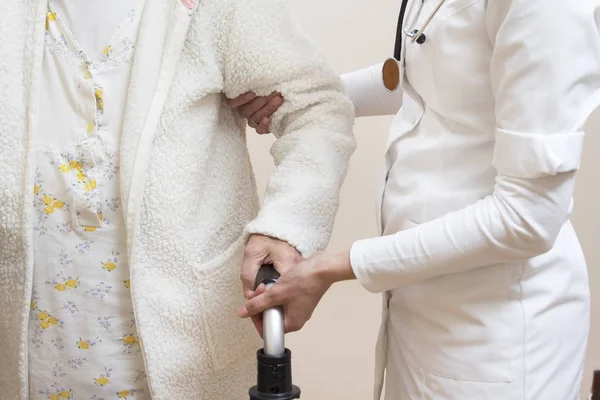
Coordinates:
[334,354]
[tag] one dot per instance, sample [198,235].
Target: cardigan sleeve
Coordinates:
[268,52]
[546,83]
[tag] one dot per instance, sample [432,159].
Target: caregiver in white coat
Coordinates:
[485,283]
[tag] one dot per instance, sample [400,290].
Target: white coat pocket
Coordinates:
[437,387]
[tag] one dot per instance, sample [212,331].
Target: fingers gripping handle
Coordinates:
[273,322]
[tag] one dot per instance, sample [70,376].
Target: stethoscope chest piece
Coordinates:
[391,74]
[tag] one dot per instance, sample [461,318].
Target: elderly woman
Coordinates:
[127,196]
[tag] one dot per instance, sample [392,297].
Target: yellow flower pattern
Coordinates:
[82,336]
[62,282]
[90,185]
[72,283]
[50,17]
[58,394]
[104,379]
[111,264]
[99,95]
[129,339]
[88,344]
[128,394]
[46,320]
[131,344]
[60,287]
[46,204]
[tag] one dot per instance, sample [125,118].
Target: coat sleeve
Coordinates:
[546,83]
[368,93]
[268,52]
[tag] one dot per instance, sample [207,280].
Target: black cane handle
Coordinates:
[266,274]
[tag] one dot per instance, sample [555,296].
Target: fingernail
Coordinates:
[278,101]
[250,96]
[242,312]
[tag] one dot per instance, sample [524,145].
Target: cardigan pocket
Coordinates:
[228,337]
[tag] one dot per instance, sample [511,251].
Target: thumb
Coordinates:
[259,290]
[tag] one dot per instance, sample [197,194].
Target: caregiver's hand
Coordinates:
[300,288]
[257,110]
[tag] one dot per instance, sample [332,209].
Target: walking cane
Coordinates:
[274,361]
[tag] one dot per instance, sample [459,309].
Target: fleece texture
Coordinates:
[187,185]
[18,59]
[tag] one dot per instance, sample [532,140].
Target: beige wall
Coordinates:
[333,355]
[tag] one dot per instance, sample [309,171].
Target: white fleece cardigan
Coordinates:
[187,185]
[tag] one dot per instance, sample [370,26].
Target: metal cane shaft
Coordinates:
[274,330]
[273,326]
[274,361]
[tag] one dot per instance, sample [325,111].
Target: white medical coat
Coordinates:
[485,284]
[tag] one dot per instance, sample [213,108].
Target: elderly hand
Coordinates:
[257,110]
[262,250]
[299,289]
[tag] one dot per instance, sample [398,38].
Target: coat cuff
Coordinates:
[364,270]
[531,156]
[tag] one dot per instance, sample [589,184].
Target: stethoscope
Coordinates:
[416,35]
